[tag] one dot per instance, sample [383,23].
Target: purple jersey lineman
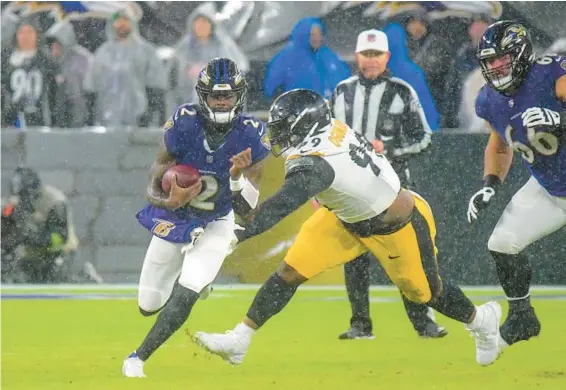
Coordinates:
[543,153]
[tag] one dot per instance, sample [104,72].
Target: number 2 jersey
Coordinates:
[185,141]
[543,152]
[364,184]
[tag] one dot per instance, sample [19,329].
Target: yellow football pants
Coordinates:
[407,255]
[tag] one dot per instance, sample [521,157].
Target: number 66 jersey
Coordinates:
[364,184]
[186,141]
[542,150]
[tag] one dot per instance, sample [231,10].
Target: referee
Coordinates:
[386,110]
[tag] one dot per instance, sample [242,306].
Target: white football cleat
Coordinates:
[133,366]
[206,292]
[486,333]
[230,346]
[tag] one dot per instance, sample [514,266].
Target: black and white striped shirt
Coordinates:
[387,109]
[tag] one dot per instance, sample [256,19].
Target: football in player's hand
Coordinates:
[186,177]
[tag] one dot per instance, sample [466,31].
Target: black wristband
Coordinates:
[492,181]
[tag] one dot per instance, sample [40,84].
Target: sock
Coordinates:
[514,272]
[478,319]
[169,320]
[244,330]
[453,303]
[356,274]
[417,313]
[271,298]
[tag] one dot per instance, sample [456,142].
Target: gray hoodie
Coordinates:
[120,73]
[74,63]
[192,54]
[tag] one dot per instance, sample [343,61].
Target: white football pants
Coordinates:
[196,268]
[531,215]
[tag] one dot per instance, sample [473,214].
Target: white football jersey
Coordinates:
[364,184]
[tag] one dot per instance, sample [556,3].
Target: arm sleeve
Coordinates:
[306,177]
[417,130]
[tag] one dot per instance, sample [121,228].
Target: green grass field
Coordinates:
[80,344]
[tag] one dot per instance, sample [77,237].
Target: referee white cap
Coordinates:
[372,40]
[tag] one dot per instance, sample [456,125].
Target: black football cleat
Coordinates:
[520,326]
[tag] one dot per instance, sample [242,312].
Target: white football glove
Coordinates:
[538,116]
[478,202]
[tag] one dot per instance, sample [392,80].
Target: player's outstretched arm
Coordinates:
[308,177]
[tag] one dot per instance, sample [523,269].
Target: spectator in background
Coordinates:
[401,66]
[431,51]
[462,66]
[204,41]
[126,76]
[306,62]
[29,80]
[74,109]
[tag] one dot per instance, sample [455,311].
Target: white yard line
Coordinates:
[232,287]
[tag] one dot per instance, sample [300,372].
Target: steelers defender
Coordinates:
[364,209]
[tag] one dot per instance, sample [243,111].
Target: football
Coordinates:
[186,177]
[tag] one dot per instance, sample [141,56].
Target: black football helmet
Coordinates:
[500,39]
[222,77]
[294,115]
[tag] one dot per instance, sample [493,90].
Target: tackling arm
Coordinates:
[303,181]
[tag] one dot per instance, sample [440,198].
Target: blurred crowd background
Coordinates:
[131,63]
